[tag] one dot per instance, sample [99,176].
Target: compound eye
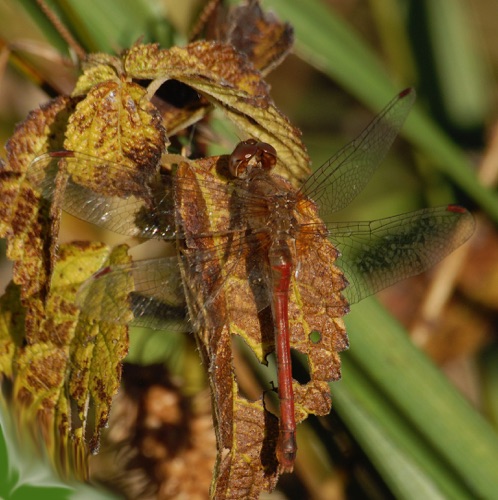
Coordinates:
[268,155]
[241,156]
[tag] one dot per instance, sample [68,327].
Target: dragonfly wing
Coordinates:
[235,269]
[377,254]
[150,292]
[339,180]
[122,200]
[144,293]
[130,216]
[144,210]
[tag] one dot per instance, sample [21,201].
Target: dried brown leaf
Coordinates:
[224,300]
[160,442]
[246,465]
[260,35]
[235,476]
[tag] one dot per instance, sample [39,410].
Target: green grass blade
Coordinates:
[460,67]
[105,26]
[114,25]
[441,424]
[408,467]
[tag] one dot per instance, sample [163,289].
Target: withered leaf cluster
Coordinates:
[65,367]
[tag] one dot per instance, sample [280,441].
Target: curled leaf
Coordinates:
[230,82]
[98,68]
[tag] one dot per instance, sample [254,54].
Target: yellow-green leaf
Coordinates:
[98,68]
[12,316]
[70,360]
[115,122]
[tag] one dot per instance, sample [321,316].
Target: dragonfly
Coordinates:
[268,220]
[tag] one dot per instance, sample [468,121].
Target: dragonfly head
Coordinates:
[251,154]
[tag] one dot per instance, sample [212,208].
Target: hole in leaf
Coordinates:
[315,336]
[270,401]
[252,377]
[300,367]
[175,93]
[300,373]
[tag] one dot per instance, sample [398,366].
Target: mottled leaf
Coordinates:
[98,68]
[12,315]
[247,466]
[26,219]
[70,361]
[115,122]
[226,296]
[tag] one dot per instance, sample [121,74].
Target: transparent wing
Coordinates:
[124,201]
[150,292]
[377,254]
[120,199]
[374,255]
[339,180]
[157,300]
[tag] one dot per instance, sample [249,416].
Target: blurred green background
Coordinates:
[416,413]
